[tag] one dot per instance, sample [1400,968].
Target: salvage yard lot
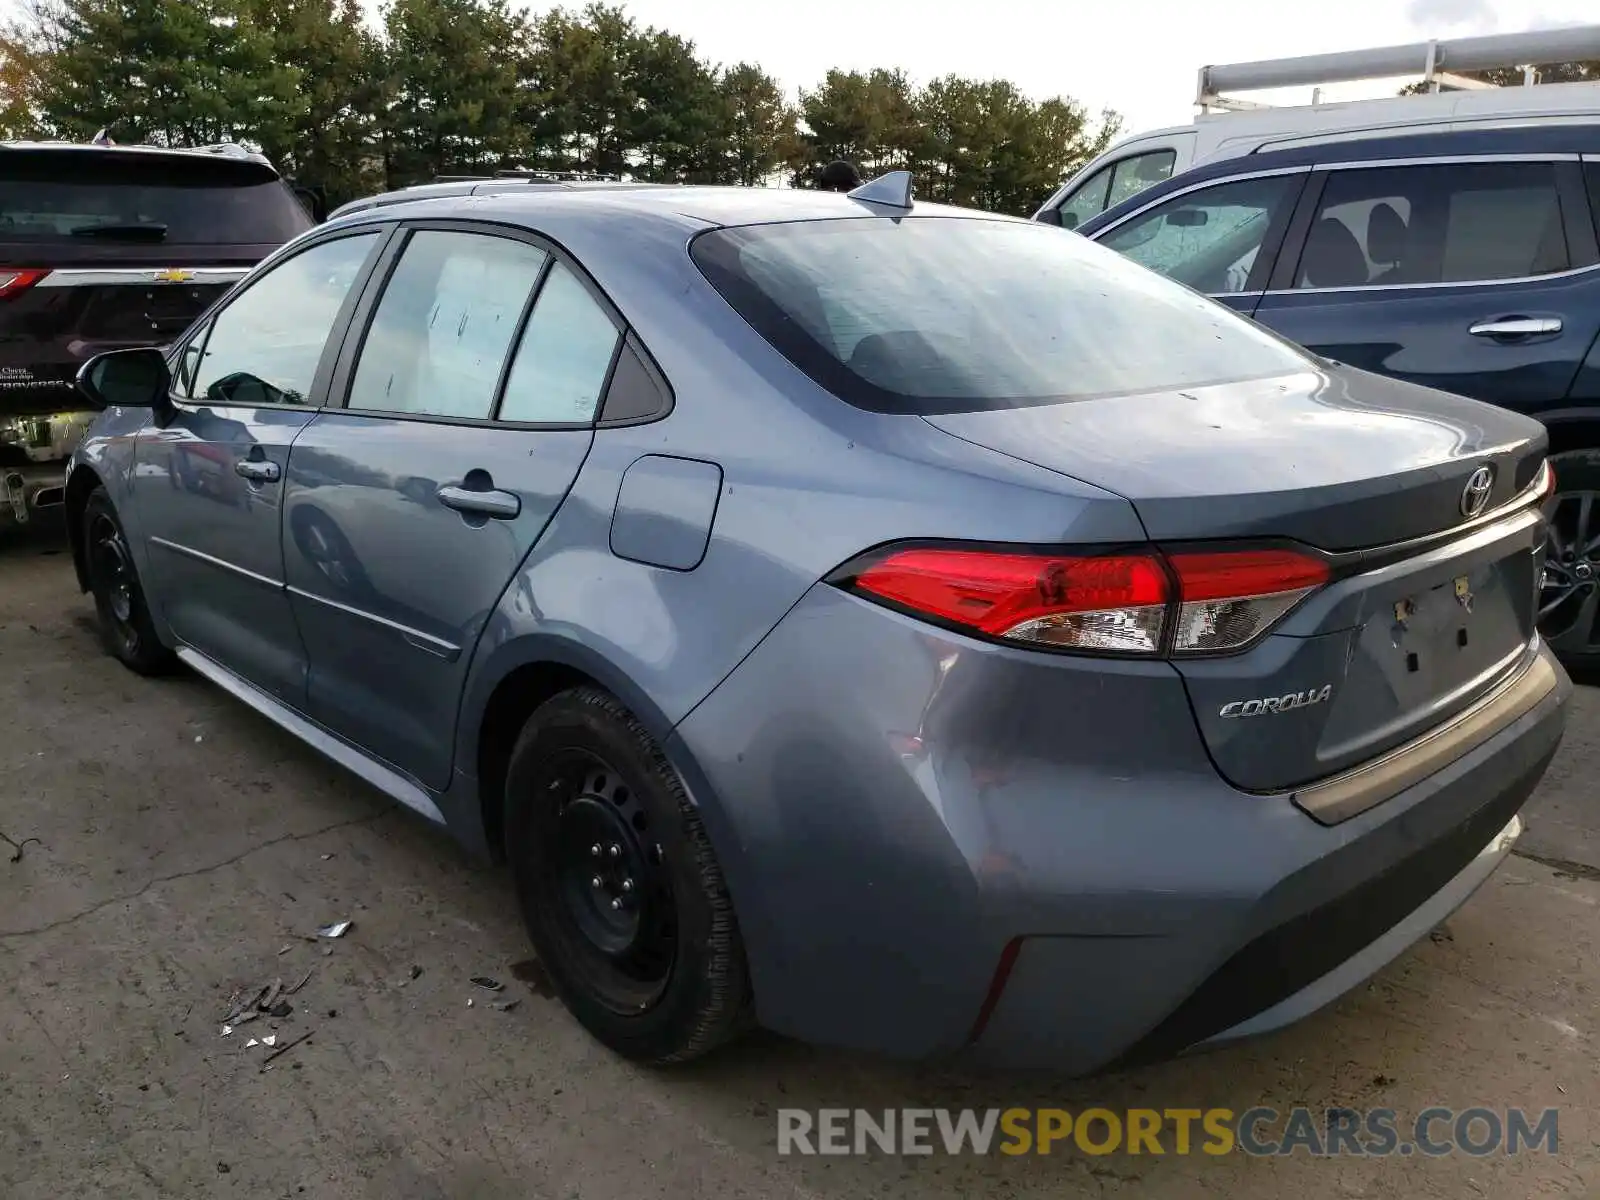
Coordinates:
[186,846]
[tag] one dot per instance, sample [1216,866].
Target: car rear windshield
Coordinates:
[55,196]
[951,314]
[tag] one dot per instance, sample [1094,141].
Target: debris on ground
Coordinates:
[266,1063]
[337,930]
[488,984]
[18,847]
[281,1009]
[469,1001]
[303,981]
[285,949]
[506,1005]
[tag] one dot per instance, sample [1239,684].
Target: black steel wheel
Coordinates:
[125,626]
[1569,592]
[622,895]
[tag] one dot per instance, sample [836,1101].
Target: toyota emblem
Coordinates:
[1475,496]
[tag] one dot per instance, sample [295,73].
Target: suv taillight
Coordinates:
[1138,602]
[15,279]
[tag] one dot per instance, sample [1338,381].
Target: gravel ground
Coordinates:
[185,847]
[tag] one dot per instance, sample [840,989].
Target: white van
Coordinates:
[1245,127]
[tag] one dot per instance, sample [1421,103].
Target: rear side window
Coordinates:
[134,196]
[930,315]
[566,352]
[1450,223]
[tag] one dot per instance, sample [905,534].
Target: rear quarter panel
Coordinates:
[807,483]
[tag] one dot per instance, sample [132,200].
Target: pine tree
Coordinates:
[329,141]
[172,72]
[451,87]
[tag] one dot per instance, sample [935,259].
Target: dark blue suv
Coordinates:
[1466,261]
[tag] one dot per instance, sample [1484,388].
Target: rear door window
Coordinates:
[445,324]
[1445,223]
[1208,239]
[944,314]
[102,195]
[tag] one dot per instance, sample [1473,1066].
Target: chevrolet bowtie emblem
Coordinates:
[173,275]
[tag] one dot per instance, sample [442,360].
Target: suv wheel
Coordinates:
[622,895]
[125,625]
[1569,597]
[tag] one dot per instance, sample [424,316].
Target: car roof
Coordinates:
[690,207]
[475,186]
[1533,138]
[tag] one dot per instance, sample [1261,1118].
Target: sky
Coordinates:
[1139,57]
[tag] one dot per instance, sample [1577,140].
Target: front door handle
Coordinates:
[500,505]
[1516,327]
[258,470]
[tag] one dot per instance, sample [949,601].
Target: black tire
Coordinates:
[675,986]
[126,630]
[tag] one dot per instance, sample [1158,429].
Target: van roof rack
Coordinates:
[1439,62]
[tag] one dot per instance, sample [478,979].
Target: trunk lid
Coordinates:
[1344,462]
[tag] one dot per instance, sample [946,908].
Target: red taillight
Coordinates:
[14,280]
[1109,602]
[1117,603]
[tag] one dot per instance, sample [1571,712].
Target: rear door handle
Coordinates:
[500,505]
[258,470]
[1506,327]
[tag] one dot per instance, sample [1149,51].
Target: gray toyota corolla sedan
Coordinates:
[896,626]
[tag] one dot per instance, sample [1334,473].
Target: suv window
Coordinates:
[565,355]
[106,195]
[951,314]
[263,348]
[1114,183]
[1449,223]
[445,324]
[1207,239]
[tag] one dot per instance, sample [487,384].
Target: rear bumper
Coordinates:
[939,847]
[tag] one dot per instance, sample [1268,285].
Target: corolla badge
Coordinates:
[1475,496]
[1272,705]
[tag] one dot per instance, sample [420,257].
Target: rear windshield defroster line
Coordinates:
[950,314]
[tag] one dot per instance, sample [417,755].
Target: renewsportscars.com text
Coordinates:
[1376,1132]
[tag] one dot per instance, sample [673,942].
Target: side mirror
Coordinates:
[1069,220]
[136,378]
[1188,218]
